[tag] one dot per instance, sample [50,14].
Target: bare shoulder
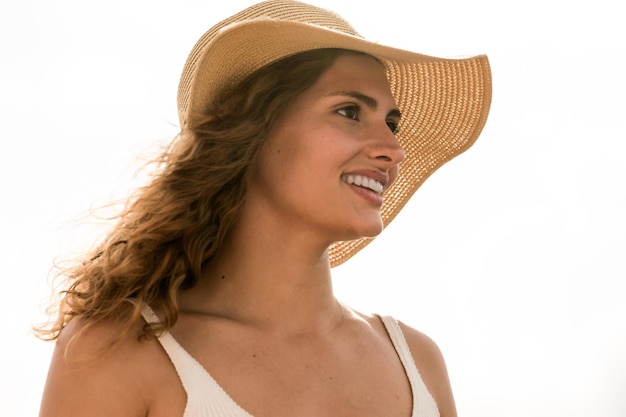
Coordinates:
[85,374]
[432,367]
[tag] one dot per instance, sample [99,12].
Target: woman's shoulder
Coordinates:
[87,370]
[424,350]
[428,359]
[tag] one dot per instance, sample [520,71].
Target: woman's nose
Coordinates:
[385,146]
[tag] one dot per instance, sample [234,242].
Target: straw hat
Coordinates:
[444,102]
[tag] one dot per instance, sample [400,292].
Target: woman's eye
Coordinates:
[351,112]
[393,125]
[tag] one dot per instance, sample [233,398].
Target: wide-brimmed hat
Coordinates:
[444,102]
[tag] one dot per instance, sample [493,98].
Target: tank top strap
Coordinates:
[423,403]
[205,397]
[175,352]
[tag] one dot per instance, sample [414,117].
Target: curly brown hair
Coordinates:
[175,224]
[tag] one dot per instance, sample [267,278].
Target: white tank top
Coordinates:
[206,398]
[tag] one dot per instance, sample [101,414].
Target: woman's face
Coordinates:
[324,169]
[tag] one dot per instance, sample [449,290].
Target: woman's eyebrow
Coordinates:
[369,101]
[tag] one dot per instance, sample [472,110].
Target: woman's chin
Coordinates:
[366,231]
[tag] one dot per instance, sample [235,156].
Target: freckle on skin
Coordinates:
[223,276]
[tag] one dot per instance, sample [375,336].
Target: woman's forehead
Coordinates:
[352,74]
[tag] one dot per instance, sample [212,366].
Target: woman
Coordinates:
[212,294]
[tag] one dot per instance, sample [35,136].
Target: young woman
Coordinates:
[212,294]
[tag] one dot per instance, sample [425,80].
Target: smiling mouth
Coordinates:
[363,182]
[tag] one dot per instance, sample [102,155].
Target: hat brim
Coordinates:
[444,102]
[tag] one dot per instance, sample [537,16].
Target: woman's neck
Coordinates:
[268,284]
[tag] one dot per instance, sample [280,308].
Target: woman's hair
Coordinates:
[174,225]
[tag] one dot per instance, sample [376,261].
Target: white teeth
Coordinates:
[364,182]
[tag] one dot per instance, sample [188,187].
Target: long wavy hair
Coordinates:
[175,224]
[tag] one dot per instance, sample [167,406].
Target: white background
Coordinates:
[511,256]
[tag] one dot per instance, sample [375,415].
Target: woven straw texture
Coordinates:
[444,102]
